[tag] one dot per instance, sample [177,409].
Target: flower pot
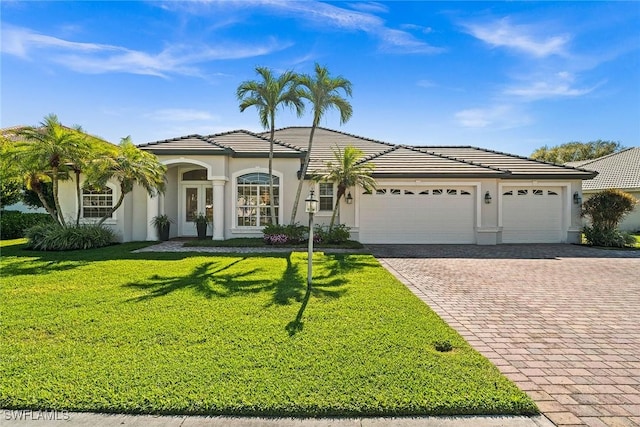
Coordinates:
[163,232]
[202,230]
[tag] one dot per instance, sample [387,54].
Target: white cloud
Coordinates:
[96,58]
[529,39]
[326,15]
[556,85]
[373,7]
[501,116]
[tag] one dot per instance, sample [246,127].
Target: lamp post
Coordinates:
[311,206]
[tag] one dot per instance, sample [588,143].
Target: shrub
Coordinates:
[338,234]
[14,223]
[276,234]
[443,346]
[605,210]
[50,237]
[598,236]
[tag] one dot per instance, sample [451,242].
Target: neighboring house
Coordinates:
[424,194]
[618,170]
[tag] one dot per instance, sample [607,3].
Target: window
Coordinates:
[195,175]
[465,193]
[437,192]
[508,193]
[326,196]
[523,192]
[252,199]
[537,192]
[425,192]
[452,191]
[96,202]
[381,191]
[394,191]
[551,193]
[408,192]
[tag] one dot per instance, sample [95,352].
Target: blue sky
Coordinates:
[509,76]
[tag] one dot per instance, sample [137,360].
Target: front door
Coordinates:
[196,198]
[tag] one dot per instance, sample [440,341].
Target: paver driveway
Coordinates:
[562,321]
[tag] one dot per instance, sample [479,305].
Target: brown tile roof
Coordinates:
[468,160]
[239,143]
[617,170]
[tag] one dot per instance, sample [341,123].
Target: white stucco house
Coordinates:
[455,194]
[620,171]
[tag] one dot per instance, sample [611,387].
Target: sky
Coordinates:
[508,76]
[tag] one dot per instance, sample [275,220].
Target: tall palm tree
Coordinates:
[323,92]
[348,170]
[267,95]
[49,149]
[128,166]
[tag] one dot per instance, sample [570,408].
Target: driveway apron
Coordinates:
[561,321]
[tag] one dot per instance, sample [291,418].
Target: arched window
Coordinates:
[252,199]
[96,202]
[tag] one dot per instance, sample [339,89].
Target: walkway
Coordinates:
[561,321]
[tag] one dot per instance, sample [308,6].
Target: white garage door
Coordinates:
[443,214]
[532,215]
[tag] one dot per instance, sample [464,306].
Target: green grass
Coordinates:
[257,242]
[111,331]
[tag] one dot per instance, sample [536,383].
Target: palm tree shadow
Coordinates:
[207,279]
[297,325]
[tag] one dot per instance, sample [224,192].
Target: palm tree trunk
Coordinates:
[78,197]
[113,209]
[272,208]
[336,208]
[43,200]
[305,166]
[56,199]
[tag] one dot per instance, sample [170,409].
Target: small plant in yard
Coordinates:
[13,224]
[276,234]
[443,346]
[338,234]
[162,223]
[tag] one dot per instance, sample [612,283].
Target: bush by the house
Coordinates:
[52,237]
[598,236]
[338,234]
[14,223]
[605,210]
[276,234]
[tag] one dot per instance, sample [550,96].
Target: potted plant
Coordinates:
[162,224]
[202,222]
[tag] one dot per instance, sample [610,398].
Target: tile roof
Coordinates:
[617,170]
[468,160]
[238,143]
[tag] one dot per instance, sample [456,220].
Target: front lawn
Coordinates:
[111,331]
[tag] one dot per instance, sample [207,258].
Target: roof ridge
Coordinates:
[376,155]
[364,138]
[589,161]
[162,141]
[468,162]
[522,157]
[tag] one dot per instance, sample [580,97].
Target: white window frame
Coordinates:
[114,198]
[321,196]
[234,198]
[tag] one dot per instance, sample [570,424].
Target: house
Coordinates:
[456,194]
[619,170]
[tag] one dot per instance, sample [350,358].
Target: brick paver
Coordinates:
[561,321]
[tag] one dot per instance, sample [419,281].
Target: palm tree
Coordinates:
[49,149]
[267,95]
[128,166]
[348,170]
[323,92]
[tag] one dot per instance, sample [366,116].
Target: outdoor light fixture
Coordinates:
[349,199]
[311,206]
[487,197]
[576,198]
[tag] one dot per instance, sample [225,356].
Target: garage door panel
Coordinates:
[531,215]
[418,218]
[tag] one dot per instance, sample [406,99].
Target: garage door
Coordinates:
[532,215]
[418,215]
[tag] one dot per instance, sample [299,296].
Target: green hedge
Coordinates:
[13,224]
[56,238]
